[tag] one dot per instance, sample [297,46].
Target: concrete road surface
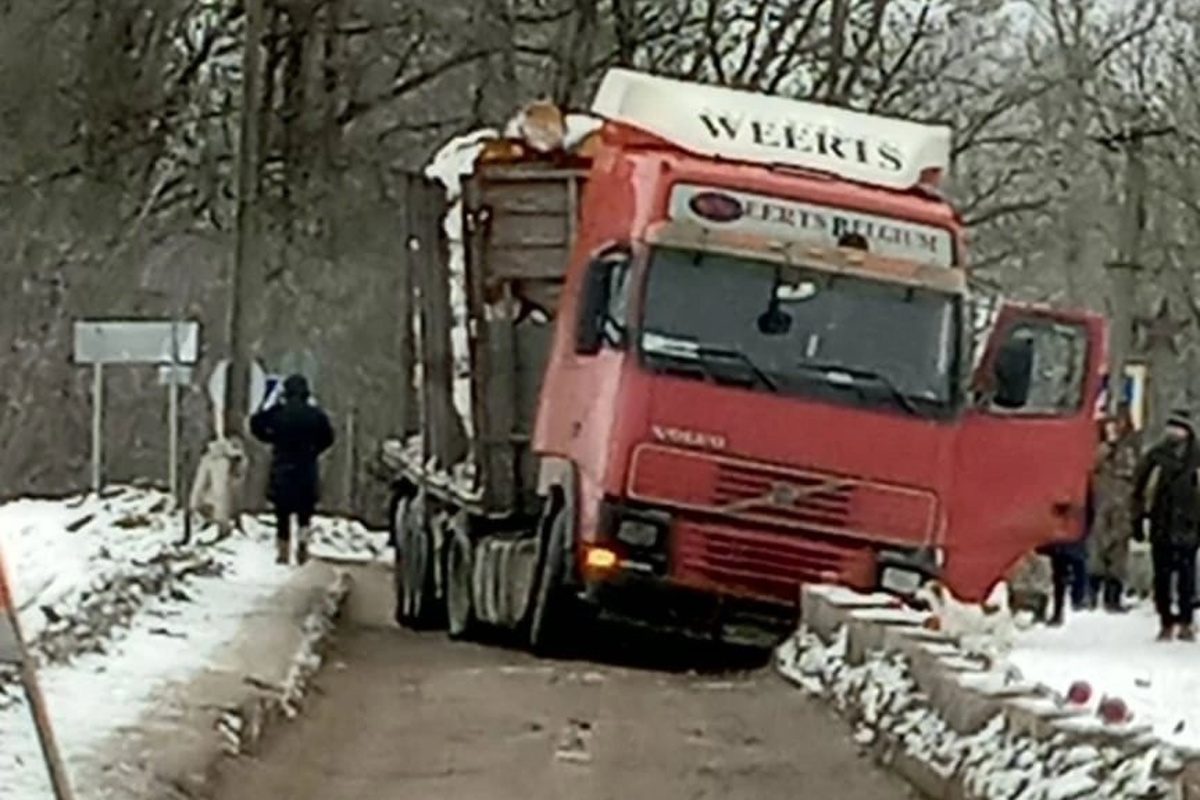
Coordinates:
[400,716]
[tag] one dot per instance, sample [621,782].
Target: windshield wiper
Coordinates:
[704,355]
[857,374]
[713,351]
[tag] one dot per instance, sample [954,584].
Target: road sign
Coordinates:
[1133,395]
[179,375]
[261,383]
[136,342]
[168,343]
[272,390]
[263,387]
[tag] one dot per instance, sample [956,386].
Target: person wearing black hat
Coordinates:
[1166,504]
[298,432]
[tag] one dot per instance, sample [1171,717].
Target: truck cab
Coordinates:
[762,374]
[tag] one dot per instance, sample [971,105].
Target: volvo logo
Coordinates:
[686,437]
[785,495]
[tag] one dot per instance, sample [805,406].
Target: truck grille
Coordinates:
[768,495]
[765,565]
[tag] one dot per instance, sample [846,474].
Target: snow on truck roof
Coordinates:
[718,122]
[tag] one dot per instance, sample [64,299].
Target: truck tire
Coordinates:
[414,576]
[552,607]
[460,569]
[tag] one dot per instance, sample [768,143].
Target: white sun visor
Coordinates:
[744,126]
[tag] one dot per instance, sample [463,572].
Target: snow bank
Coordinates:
[1117,656]
[889,713]
[115,608]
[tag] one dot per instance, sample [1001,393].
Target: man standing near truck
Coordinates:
[1167,501]
[1108,544]
[298,432]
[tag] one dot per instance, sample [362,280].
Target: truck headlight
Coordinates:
[638,533]
[902,572]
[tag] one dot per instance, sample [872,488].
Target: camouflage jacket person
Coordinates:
[1112,488]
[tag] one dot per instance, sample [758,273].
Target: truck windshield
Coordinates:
[781,328]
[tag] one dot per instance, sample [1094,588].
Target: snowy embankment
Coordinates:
[115,608]
[1089,712]
[881,698]
[1116,656]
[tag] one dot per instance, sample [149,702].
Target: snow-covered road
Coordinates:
[122,611]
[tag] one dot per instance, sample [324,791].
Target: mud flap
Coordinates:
[415,581]
[502,580]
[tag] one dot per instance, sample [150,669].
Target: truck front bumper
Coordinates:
[662,604]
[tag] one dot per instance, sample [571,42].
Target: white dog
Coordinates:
[988,628]
[217,489]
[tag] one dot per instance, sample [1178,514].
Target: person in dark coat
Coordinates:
[1166,505]
[298,432]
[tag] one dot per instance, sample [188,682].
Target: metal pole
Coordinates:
[1125,272]
[246,266]
[41,722]
[173,418]
[351,451]
[97,427]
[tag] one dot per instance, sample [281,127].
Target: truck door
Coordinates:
[1024,454]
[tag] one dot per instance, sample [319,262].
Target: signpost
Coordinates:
[168,344]
[1133,395]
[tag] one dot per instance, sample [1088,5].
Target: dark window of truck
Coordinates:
[616,319]
[1058,368]
[799,330]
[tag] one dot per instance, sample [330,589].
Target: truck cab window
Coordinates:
[796,330]
[604,303]
[1040,369]
[617,309]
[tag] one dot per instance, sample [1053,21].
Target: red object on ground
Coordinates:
[1113,711]
[1080,693]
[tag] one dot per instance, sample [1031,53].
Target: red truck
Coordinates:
[725,352]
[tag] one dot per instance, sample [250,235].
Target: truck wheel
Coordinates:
[414,570]
[460,569]
[552,609]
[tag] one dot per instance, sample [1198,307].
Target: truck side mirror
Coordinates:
[1012,372]
[589,330]
[601,304]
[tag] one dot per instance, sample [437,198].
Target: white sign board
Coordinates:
[1133,395]
[780,218]
[265,388]
[179,375]
[736,125]
[136,342]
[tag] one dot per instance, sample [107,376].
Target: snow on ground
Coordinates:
[1117,656]
[995,762]
[120,609]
